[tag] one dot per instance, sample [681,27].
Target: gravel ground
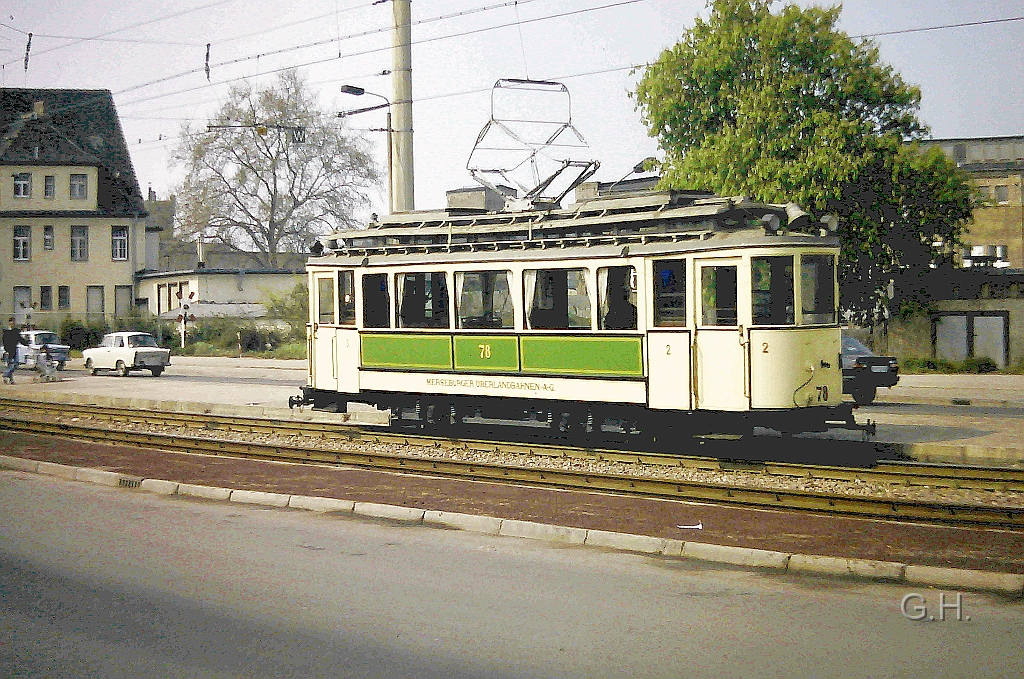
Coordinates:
[737,478]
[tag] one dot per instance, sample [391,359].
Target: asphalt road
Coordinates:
[101,582]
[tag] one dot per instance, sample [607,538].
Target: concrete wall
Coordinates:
[912,338]
[216,287]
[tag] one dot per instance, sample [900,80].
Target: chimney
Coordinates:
[201,264]
[152,193]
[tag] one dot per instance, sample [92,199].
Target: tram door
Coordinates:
[324,355]
[335,354]
[668,340]
[719,355]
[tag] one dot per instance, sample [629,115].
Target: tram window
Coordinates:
[718,295]
[346,298]
[771,283]
[325,301]
[423,300]
[557,299]
[617,294]
[484,300]
[376,301]
[818,289]
[670,293]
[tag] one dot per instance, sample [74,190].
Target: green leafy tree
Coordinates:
[271,172]
[784,107]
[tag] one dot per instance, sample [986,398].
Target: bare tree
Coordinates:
[271,172]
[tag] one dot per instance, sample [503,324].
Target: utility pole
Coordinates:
[401,78]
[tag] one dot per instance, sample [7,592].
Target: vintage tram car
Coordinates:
[646,313]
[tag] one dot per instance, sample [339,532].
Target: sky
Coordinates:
[152,56]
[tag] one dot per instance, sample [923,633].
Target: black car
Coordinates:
[864,371]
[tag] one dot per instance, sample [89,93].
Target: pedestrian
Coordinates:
[12,338]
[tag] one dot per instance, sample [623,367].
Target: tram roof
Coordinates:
[644,219]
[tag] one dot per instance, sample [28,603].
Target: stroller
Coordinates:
[46,365]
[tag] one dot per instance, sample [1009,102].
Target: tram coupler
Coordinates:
[301,400]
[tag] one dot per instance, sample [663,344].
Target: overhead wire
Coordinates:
[140,24]
[923,29]
[325,41]
[373,50]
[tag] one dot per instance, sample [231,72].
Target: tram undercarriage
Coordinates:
[579,422]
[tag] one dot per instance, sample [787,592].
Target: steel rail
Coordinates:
[901,473]
[787,500]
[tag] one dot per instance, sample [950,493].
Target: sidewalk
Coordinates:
[982,390]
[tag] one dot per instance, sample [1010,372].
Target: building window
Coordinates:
[95,306]
[23,185]
[985,192]
[79,243]
[64,297]
[119,242]
[79,186]
[1002,193]
[49,186]
[22,243]
[45,298]
[48,237]
[123,296]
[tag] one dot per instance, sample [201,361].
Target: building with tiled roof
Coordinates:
[72,229]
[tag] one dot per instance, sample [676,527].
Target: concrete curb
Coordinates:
[59,470]
[159,487]
[1009,584]
[18,464]
[738,556]
[320,504]
[475,524]
[542,531]
[858,568]
[625,542]
[392,512]
[256,497]
[1004,583]
[205,492]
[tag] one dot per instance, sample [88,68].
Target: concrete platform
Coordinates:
[968,419]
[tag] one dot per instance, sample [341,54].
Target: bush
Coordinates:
[78,335]
[979,366]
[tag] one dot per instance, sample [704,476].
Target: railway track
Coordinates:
[43,421]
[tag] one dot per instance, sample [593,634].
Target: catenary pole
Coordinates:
[401,78]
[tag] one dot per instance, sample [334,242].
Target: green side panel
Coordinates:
[487,353]
[562,355]
[410,351]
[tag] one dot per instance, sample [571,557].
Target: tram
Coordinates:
[647,312]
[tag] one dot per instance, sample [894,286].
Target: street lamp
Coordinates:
[358,92]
